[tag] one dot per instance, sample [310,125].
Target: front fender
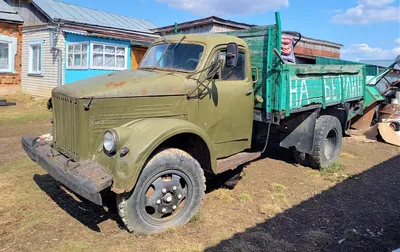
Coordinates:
[142,137]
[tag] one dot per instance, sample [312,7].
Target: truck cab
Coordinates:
[191,100]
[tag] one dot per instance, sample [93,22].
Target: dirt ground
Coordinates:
[277,205]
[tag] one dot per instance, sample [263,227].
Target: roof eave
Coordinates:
[203,21]
[66,22]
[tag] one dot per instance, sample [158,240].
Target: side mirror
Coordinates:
[232,53]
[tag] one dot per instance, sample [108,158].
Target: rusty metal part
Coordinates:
[232,162]
[363,122]
[87,179]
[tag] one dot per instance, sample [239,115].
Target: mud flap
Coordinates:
[301,133]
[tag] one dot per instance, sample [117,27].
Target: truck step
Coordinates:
[232,162]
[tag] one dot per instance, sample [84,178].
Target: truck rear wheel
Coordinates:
[167,194]
[327,142]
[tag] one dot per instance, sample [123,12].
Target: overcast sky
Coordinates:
[368,29]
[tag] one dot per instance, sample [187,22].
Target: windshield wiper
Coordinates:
[166,49]
[184,36]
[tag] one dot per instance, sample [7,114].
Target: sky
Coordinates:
[368,29]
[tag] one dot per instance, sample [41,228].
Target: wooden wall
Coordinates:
[13,30]
[30,14]
[42,85]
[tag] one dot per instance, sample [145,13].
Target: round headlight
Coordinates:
[110,141]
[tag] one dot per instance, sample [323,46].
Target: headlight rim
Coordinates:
[115,137]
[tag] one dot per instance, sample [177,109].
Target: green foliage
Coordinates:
[245,197]
[195,217]
[335,167]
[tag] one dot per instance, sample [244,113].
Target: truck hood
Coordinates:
[125,84]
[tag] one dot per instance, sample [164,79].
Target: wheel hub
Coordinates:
[166,198]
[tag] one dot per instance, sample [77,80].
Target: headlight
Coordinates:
[110,141]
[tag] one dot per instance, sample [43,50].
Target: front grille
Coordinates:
[65,125]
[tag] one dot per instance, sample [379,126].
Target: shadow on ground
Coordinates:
[360,214]
[86,212]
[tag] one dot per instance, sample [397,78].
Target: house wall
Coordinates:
[312,47]
[14,31]
[72,75]
[41,85]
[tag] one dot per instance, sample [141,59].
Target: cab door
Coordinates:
[226,108]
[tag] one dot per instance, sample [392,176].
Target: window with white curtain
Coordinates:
[36,57]
[77,55]
[5,56]
[108,56]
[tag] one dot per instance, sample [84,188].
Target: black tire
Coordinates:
[327,142]
[183,180]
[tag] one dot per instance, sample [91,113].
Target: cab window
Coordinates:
[236,73]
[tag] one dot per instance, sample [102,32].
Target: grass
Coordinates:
[224,195]
[17,117]
[335,167]
[313,173]
[27,108]
[279,188]
[245,197]
[195,217]
[269,209]
[347,155]
[16,165]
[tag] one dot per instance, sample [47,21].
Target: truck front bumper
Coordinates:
[87,178]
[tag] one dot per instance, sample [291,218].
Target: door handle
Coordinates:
[249,92]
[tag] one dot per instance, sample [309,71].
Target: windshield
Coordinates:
[184,57]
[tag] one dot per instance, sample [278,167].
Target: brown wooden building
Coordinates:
[306,50]
[10,48]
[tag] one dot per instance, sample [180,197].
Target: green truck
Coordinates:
[196,107]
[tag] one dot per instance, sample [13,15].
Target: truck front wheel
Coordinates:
[167,194]
[327,142]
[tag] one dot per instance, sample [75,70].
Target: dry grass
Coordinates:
[347,155]
[270,209]
[28,108]
[36,215]
[224,195]
[245,197]
[313,173]
[278,188]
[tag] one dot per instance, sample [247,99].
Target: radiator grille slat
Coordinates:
[65,125]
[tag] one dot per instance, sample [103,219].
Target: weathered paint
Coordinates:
[306,91]
[72,75]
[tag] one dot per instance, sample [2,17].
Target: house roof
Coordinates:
[380,63]
[70,13]
[204,21]
[9,13]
